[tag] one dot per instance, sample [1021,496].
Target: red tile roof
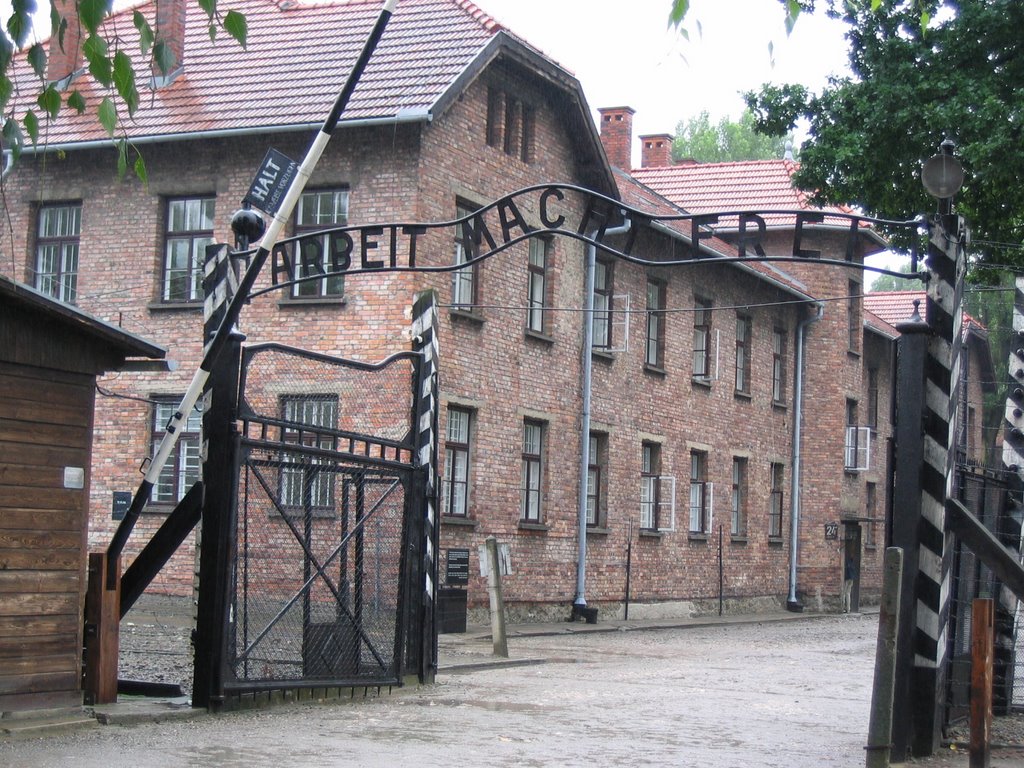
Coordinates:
[741,186]
[645,200]
[897,307]
[297,58]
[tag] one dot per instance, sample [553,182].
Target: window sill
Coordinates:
[647,533]
[460,522]
[173,306]
[775,541]
[601,354]
[537,336]
[527,526]
[465,315]
[736,539]
[655,370]
[778,405]
[698,538]
[598,530]
[854,353]
[740,395]
[701,381]
[310,301]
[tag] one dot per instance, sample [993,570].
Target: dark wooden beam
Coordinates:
[983,542]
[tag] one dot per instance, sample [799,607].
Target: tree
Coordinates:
[697,139]
[108,63]
[918,79]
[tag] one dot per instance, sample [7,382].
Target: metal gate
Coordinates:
[329,520]
[984,493]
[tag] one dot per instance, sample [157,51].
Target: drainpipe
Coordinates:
[792,604]
[580,601]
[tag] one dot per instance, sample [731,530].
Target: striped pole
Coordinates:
[234,307]
[944,315]
[424,341]
[1010,525]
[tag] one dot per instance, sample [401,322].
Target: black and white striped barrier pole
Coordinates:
[281,213]
[424,341]
[1010,527]
[944,315]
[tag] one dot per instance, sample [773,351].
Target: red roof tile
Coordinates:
[640,197]
[741,186]
[897,307]
[296,61]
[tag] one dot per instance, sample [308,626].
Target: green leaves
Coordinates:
[146,36]
[107,59]
[124,81]
[678,13]
[107,114]
[235,25]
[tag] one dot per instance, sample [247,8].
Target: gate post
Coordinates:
[1012,513]
[906,504]
[220,479]
[944,313]
[424,341]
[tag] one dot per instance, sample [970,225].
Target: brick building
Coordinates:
[692,472]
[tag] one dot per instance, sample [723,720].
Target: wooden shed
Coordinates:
[50,356]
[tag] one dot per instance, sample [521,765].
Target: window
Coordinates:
[650,468]
[778,369]
[873,398]
[455,490]
[301,474]
[857,445]
[739,497]
[700,493]
[744,326]
[602,315]
[494,112]
[775,498]
[189,231]
[971,427]
[654,350]
[853,316]
[596,478]
[536,288]
[512,127]
[57,251]
[529,130]
[533,461]
[464,280]
[702,339]
[315,211]
[183,466]
[870,505]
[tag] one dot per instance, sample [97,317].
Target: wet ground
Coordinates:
[767,693]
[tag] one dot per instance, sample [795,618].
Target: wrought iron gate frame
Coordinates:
[402,460]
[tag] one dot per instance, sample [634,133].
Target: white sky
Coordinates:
[624,55]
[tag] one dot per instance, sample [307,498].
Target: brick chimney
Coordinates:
[170,30]
[64,60]
[617,135]
[656,150]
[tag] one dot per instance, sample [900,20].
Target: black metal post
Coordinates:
[906,505]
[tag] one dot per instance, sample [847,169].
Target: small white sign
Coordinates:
[504,560]
[74,478]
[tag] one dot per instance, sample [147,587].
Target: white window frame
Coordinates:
[58,233]
[857,449]
[328,286]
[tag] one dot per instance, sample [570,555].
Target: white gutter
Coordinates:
[405,116]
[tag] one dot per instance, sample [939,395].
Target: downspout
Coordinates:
[580,602]
[792,604]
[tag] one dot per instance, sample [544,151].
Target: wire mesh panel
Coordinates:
[323,519]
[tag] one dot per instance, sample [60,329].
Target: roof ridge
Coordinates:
[487,21]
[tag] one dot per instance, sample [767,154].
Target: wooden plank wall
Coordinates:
[45,426]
